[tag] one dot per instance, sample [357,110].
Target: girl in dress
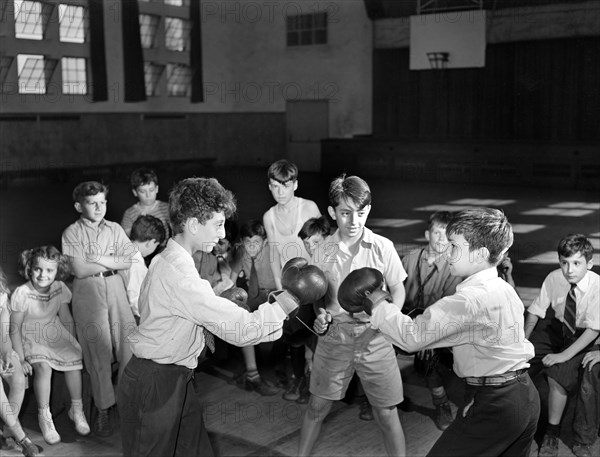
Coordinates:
[40,318]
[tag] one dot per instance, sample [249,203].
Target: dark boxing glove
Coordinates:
[361,290]
[237,295]
[302,284]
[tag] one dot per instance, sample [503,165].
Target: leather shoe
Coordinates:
[549,447]
[582,450]
[264,388]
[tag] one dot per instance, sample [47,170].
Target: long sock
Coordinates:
[17,431]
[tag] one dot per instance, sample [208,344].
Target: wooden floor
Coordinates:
[245,424]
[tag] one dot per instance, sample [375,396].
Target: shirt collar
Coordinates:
[479,278]
[366,240]
[584,284]
[175,249]
[90,224]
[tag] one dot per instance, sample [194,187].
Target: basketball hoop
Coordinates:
[438,60]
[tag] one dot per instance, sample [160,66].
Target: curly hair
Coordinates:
[199,198]
[88,188]
[28,258]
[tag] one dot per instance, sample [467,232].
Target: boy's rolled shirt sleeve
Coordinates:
[71,244]
[394,272]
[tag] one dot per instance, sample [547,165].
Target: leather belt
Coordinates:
[104,274]
[496,380]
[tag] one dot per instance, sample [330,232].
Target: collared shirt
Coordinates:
[482,322]
[441,283]
[82,239]
[175,304]
[554,293]
[133,278]
[262,263]
[336,261]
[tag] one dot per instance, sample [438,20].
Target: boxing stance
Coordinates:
[483,323]
[160,412]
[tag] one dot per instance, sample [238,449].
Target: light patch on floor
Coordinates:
[527,294]
[551,257]
[579,205]
[596,234]
[482,202]
[393,223]
[558,212]
[526,228]
[595,242]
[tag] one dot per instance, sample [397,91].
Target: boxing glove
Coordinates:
[361,290]
[237,295]
[302,284]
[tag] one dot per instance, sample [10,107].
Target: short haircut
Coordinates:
[574,243]
[28,258]
[283,171]
[315,226]
[252,228]
[350,188]
[87,189]
[200,198]
[143,176]
[439,218]
[483,227]
[147,228]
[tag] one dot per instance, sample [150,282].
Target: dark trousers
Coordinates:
[587,407]
[501,421]
[160,412]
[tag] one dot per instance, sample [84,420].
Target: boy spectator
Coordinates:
[147,233]
[429,279]
[144,186]
[284,220]
[352,344]
[97,249]
[572,292]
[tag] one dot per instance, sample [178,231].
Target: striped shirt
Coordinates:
[159,210]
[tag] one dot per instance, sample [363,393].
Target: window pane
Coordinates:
[31,74]
[74,77]
[72,20]
[148,28]
[152,74]
[28,20]
[179,77]
[308,28]
[177,34]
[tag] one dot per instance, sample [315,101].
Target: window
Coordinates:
[177,34]
[29,20]
[152,74]
[74,76]
[307,29]
[72,23]
[5,63]
[148,28]
[179,77]
[32,78]
[177,2]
